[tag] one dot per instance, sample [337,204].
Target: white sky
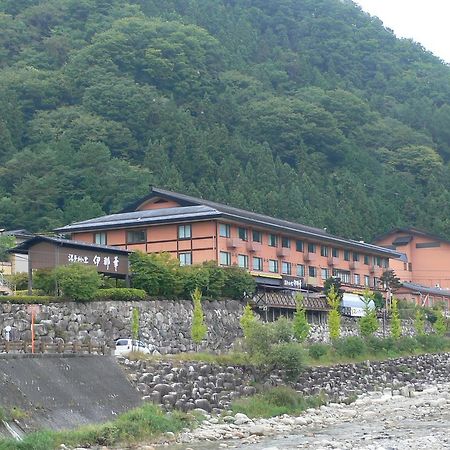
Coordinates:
[425,21]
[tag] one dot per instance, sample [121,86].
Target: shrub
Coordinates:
[78,281]
[440,326]
[433,343]
[289,357]
[247,319]
[300,324]
[121,294]
[258,338]
[380,345]
[238,283]
[406,344]
[350,347]
[317,351]
[281,330]
[30,299]
[193,277]
[419,322]
[217,279]
[45,281]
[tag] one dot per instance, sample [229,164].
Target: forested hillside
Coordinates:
[302,109]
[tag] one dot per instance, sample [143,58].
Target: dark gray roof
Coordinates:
[193,208]
[24,246]
[411,231]
[426,289]
[137,218]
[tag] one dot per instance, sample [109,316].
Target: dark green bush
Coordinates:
[317,351]
[377,345]
[77,281]
[350,347]
[433,343]
[289,357]
[407,344]
[31,299]
[121,294]
[238,282]
[258,338]
[282,330]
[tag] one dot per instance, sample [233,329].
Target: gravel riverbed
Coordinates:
[409,418]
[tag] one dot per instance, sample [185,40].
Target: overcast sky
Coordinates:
[425,21]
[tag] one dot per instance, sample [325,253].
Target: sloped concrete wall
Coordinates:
[64,392]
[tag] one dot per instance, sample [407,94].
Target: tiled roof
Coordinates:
[426,289]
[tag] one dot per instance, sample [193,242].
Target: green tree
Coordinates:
[368,324]
[247,320]
[334,316]
[396,325]
[135,324]
[440,326]
[6,243]
[300,323]
[199,328]
[419,322]
[77,281]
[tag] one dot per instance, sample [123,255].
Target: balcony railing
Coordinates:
[234,242]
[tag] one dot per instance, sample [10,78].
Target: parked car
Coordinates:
[124,346]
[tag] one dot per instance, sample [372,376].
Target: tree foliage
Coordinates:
[289,108]
[198,328]
[368,324]
[334,316]
[396,325]
[300,323]
[77,281]
[440,326]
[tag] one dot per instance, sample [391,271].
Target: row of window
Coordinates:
[272,241]
[140,236]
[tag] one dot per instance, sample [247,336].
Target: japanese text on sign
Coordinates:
[100,262]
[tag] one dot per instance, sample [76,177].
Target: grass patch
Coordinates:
[275,402]
[146,422]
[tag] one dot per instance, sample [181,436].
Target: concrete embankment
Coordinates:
[59,392]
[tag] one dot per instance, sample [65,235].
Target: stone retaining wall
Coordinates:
[210,387]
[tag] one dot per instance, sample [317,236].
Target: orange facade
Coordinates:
[428,257]
[262,251]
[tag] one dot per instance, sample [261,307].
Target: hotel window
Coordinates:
[366,280]
[312,271]
[324,274]
[242,233]
[409,267]
[355,256]
[136,236]
[243,261]
[100,238]
[378,261]
[335,252]
[356,279]
[224,230]
[285,242]
[376,282]
[345,276]
[257,263]
[311,247]
[273,265]
[347,255]
[323,251]
[300,270]
[225,258]
[185,259]
[366,260]
[257,236]
[273,240]
[299,246]
[286,268]
[184,231]
[384,263]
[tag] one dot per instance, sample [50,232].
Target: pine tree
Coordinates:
[419,322]
[247,319]
[300,325]
[334,316]
[199,328]
[440,326]
[396,325]
[368,324]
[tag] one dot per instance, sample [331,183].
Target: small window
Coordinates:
[335,252]
[324,274]
[366,261]
[311,247]
[312,271]
[385,263]
[379,261]
[286,268]
[257,236]
[273,265]
[273,240]
[243,261]
[300,270]
[376,281]
[100,238]
[242,233]
[224,230]
[357,279]
[225,258]
[366,280]
[409,267]
[347,255]
[355,256]
[299,246]
[136,236]
[257,263]
[185,259]
[323,251]
[184,231]
[285,242]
